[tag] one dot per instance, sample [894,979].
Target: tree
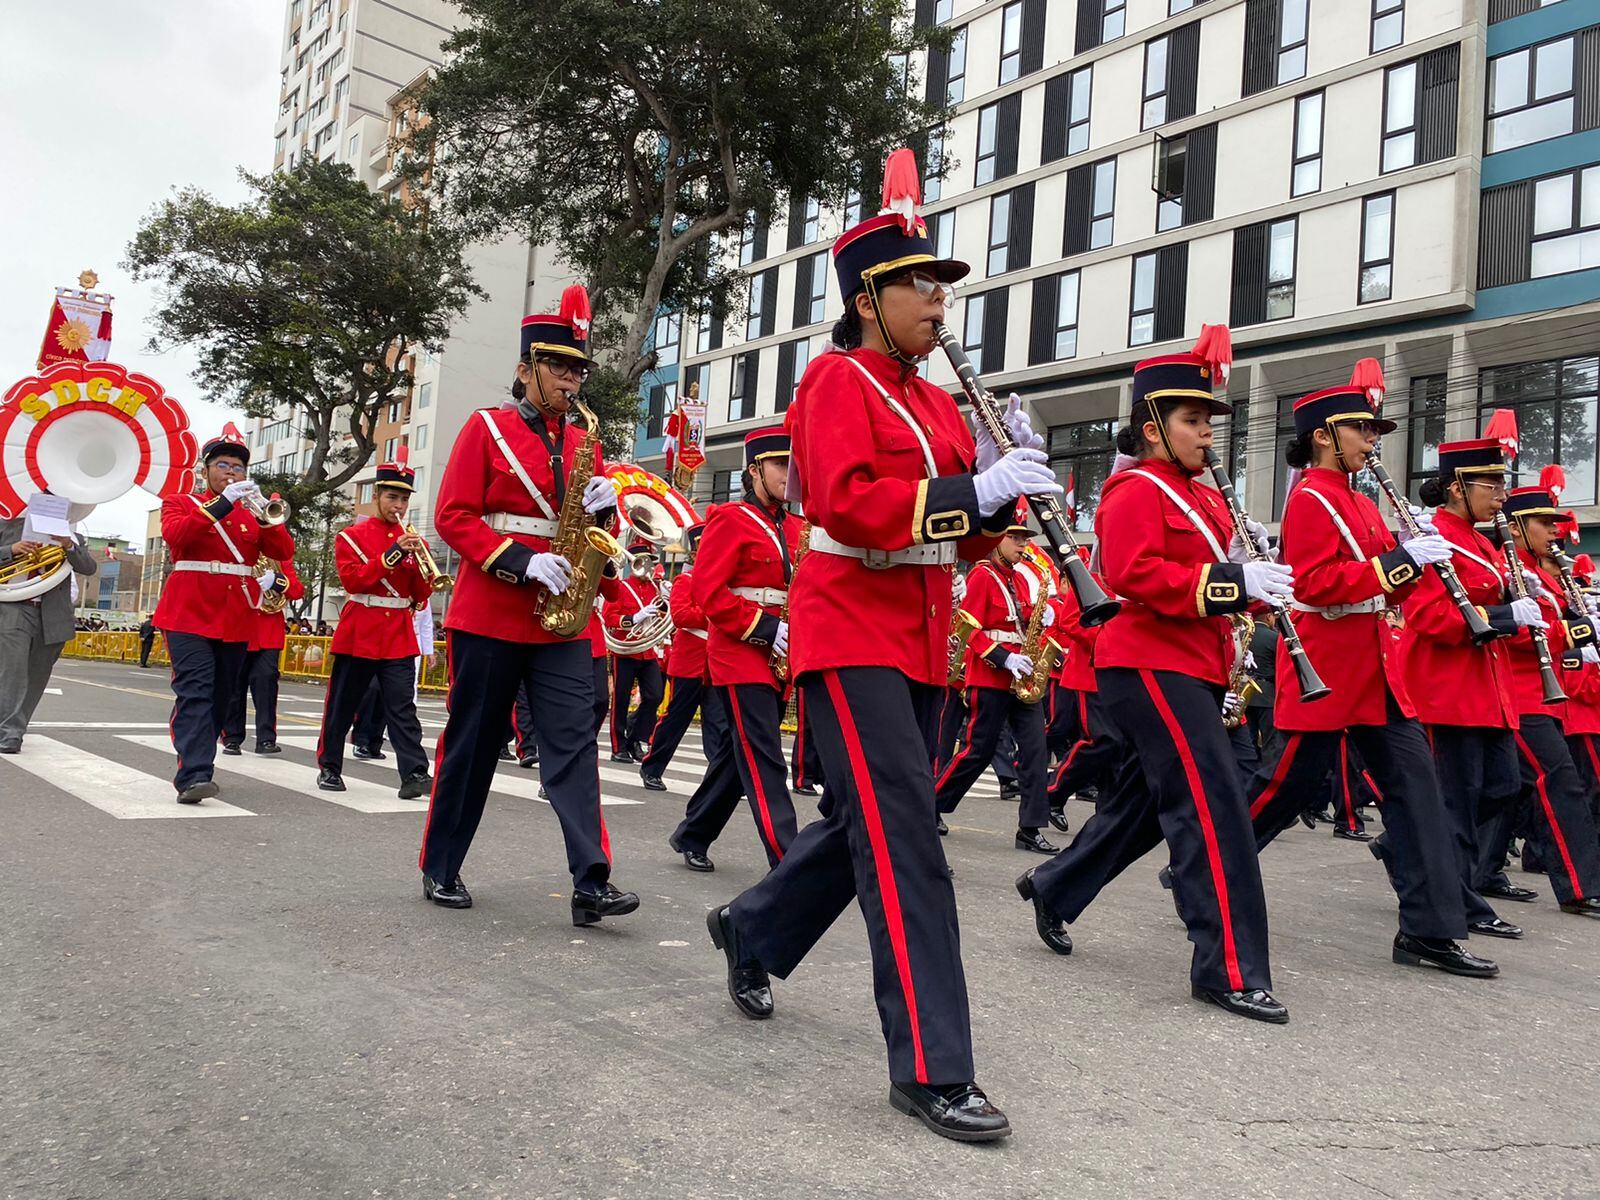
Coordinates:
[631,135]
[307,297]
[316,515]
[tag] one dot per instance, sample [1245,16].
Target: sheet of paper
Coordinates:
[47,515]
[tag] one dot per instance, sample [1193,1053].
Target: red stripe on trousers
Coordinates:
[438,750]
[616,724]
[1191,772]
[1278,776]
[1588,744]
[1086,740]
[767,833]
[966,744]
[1550,814]
[1344,778]
[800,741]
[881,862]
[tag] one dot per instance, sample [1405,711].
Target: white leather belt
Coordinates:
[1004,636]
[699,633]
[380,601]
[772,596]
[929,554]
[502,522]
[1374,604]
[213,567]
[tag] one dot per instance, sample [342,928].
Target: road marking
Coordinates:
[97,725]
[114,788]
[52,691]
[361,795]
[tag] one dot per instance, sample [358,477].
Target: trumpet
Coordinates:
[427,567]
[271,511]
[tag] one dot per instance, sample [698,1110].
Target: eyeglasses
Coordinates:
[1363,428]
[1497,487]
[226,467]
[563,367]
[928,287]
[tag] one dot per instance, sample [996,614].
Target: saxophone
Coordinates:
[1239,681]
[586,547]
[1030,689]
[780,662]
[962,626]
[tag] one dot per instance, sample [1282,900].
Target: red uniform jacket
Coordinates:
[1527,685]
[1352,653]
[863,479]
[739,549]
[1000,605]
[493,597]
[1582,684]
[214,606]
[688,657]
[370,563]
[1176,594]
[1449,680]
[269,631]
[631,596]
[1075,642]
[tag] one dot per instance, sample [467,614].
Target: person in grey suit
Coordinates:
[32,633]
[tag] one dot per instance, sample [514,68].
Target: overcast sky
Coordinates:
[105,106]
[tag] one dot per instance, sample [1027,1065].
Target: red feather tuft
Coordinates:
[1553,480]
[1368,376]
[902,187]
[575,310]
[1502,427]
[1216,347]
[401,455]
[1583,565]
[231,432]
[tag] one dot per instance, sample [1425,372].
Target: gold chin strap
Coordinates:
[1161,428]
[899,355]
[1338,447]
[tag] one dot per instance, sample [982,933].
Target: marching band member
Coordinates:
[376,640]
[634,601]
[688,675]
[1583,702]
[894,489]
[498,508]
[1093,749]
[366,733]
[993,664]
[1348,570]
[1562,826]
[742,575]
[259,676]
[1161,667]
[805,762]
[208,604]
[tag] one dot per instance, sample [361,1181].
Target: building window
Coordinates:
[1388,24]
[1081,455]
[1079,88]
[1091,196]
[722,486]
[747,241]
[988,144]
[1399,117]
[1566,223]
[810,228]
[1281,239]
[286,462]
[1239,447]
[1160,282]
[943,10]
[942,232]
[999,233]
[899,73]
[667,337]
[425,395]
[1292,40]
[972,329]
[1556,420]
[1307,171]
[932,175]
[419,438]
[812,289]
[353,148]
[364,493]
[1142,310]
[1377,249]
[742,393]
[757,304]
[1171,169]
[1102,203]
[1531,96]
[793,358]
[1155,83]
[852,202]
[1263,272]
[1054,336]
[955,78]
[1425,429]
[1174,7]
[1011,42]
[389,446]
[1114,23]
[394,411]
[1419,109]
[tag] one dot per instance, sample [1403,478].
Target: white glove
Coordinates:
[241,488]
[1527,614]
[645,613]
[1230,702]
[551,570]
[1049,615]
[1249,661]
[665,588]
[1020,426]
[1019,473]
[780,640]
[266,580]
[599,495]
[1424,519]
[1589,654]
[1237,551]
[1428,549]
[958,588]
[1535,584]
[1020,665]
[1270,582]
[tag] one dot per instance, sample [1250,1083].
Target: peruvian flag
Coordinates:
[78,329]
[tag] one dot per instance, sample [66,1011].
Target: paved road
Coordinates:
[259,1004]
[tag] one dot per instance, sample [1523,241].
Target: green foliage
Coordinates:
[316,515]
[308,296]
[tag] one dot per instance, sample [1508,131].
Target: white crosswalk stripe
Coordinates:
[124,792]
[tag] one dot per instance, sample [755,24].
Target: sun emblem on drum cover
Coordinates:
[74,335]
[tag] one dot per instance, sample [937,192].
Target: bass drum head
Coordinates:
[91,459]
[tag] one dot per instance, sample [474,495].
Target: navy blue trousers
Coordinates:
[205,672]
[876,844]
[805,761]
[990,713]
[258,676]
[749,761]
[1562,825]
[1479,780]
[687,698]
[1094,752]
[625,673]
[484,675]
[348,684]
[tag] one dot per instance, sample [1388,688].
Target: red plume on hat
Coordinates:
[231,432]
[1368,376]
[1216,347]
[1502,427]
[575,310]
[1583,565]
[902,187]
[1553,480]
[401,455]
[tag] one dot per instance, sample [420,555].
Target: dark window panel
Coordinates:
[1032,35]
[938,76]
[1056,95]
[1439,86]
[1248,302]
[1172,290]
[1019,241]
[1080,185]
[1200,175]
[1090,15]
[1042,322]
[1008,129]
[1586,79]
[1505,234]
[994,329]
[797,222]
[785,375]
[1261,19]
[1183,71]
[769,302]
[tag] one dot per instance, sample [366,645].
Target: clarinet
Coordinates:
[1477,625]
[1569,584]
[1096,608]
[1311,685]
[1519,591]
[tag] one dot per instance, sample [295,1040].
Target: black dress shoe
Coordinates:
[1052,931]
[806,789]
[1495,928]
[1308,819]
[1010,789]
[268,748]
[543,795]
[1352,835]
[1532,864]
[589,906]
[622,756]
[506,755]
[368,754]
[197,792]
[959,1111]
[447,895]
[748,985]
[944,830]
[1090,793]
[638,749]
[1257,1003]
[1164,878]
[1058,820]
[652,783]
[695,860]
[330,780]
[528,761]
[1034,842]
[231,748]
[1442,953]
[415,785]
[1507,891]
[11,749]
[1583,908]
